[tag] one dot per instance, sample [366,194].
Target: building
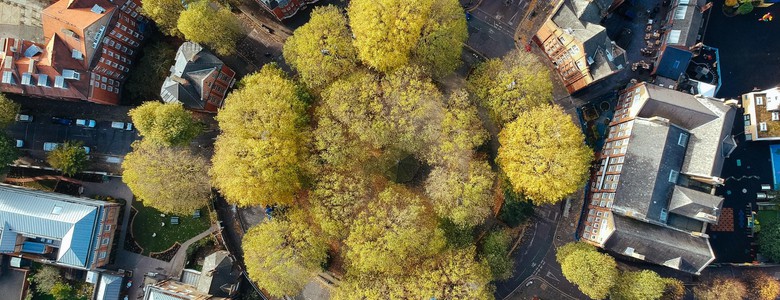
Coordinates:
[109,287]
[652,195]
[21,19]
[87,52]
[283,9]
[198,79]
[56,229]
[218,277]
[173,290]
[680,30]
[577,46]
[762,115]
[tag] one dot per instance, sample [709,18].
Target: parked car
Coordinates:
[129,126]
[61,121]
[19,143]
[24,118]
[86,149]
[118,125]
[48,146]
[85,123]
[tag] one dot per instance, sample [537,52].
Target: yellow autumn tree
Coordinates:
[454,274]
[211,24]
[164,13]
[511,85]
[321,50]
[592,272]
[258,156]
[443,35]
[463,195]
[543,154]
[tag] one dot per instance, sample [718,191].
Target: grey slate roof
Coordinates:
[695,204]
[109,287]
[185,84]
[660,245]
[218,275]
[71,221]
[190,277]
[689,26]
[644,188]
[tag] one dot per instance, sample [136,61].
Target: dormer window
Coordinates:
[683,139]
[77,54]
[70,74]
[98,9]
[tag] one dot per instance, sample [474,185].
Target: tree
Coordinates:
[8,111]
[763,286]
[337,198]
[164,13]
[674,290]
[638,285]
[386,31]
[392,235]
[46,278]
[145,79]
[592,272]
[454,274]
[720,288]
[463,195]
[543,154]
[443,35]
[165,124]
[507,87]
[283,254]
[8,151]
[63,291]
[769,240]
[211,24]
[70,158]
[321,50]
[336,146]
[258,155]
[460,132]
[375,286]
[169,179]
[495,253]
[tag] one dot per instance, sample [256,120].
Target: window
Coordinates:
[574,50]
[674,37]
[77,54]
[59,82]
[598,214]
[8,77]
[105,241]
[673,176]
[775,116]
[762,126]
[679,13]
[683,139]
[759,100]
[102,255]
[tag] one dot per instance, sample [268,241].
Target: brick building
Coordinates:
[283,9]
[88,49]
[198,80]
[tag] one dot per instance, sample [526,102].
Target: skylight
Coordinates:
[8,77]
[57,210]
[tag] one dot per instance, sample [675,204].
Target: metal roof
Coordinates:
[673,62]
[109,287]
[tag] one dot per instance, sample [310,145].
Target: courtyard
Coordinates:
[153,231]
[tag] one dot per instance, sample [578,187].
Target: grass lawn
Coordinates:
[766,216]
[148,221]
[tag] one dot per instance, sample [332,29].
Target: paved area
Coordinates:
[749,49]
[12,281]
[22,19]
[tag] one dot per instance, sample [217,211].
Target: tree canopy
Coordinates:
[165,124]
[543,154]
[495,252]
[592,272]
[720,288]
[164,13]
[441,41]
[282,254]
[146,78]
[769,240]
[321,50]
[337,198]
[211,24]
[511,85]
[70,158]
[463,195]
[453,274]
[638,285]
[762,286]
[171,180]
[257,156]
[8,111]
[8,151]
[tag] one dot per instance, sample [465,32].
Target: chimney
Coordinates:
[180,80]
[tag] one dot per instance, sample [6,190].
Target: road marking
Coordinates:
[550,274]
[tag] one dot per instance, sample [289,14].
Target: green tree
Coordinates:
[386,31]
[592,272]
[164,13]
[543,154]
[336,146]
[8,111]
[169,179]
[8,151]
[460,132]
[337,198]
[46,278]
[211,24]
[146,78]
[769,240]
[454,274]
[495,253]
[675,290]
[258,155]
[457,236]
[762,286]
[63,291]
[392,235]
[375,286]
[70,158]
[638,285]
[443,35]
[321,50]
[283,254]
[720,289]
[463,195]
[165,124]
[507,87]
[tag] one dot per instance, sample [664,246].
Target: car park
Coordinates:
[61,121]
[85,123]
[24,118]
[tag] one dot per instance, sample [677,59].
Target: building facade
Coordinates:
[762,115]
[56,229]
[651,196]
[198,79]
[577,46]
[283,9]
[88,49]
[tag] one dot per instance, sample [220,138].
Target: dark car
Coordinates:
[61,121]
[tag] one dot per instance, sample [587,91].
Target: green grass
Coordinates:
[148,221]
[767,216]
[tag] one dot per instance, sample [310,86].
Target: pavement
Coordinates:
[104,142]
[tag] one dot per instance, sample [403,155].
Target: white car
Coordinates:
[19,143]
[118,125]
[85,123]
[48,146]
[24,118]
[86,149]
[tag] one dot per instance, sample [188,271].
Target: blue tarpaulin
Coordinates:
[33,247]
